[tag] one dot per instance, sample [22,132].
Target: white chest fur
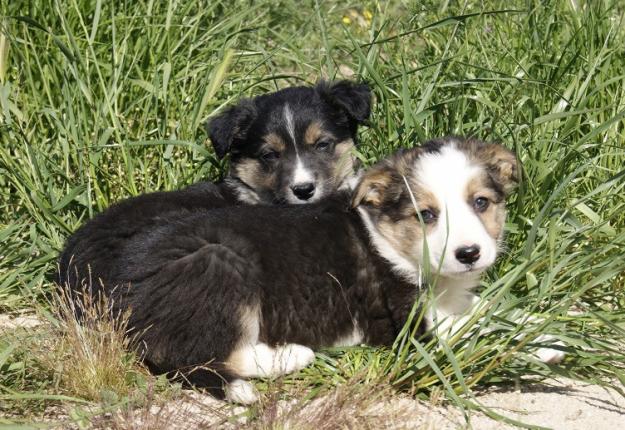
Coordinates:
[451,304]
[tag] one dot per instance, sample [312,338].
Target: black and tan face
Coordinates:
[449,194]
[292,146]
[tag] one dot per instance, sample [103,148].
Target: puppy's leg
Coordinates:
[448,325]
[545,353]
[262,361]
[254,359]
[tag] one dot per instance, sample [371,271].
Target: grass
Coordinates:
[104,100]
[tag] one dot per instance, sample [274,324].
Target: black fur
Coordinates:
[231,126]
[311,268]
[352,99]
[108,232]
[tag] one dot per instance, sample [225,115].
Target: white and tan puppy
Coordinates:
[458,187]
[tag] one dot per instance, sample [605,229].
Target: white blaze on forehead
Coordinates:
[290,126]
[301,174]
[446,174]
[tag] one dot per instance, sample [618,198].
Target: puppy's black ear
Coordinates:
[232,125]
[354,99]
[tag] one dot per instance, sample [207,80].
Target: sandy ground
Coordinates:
[560,404]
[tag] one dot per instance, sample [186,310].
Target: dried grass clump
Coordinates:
[95,359]
[352,405]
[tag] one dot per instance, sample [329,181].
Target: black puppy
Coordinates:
[294,145]
[251,291]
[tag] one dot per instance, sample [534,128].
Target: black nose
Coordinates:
[304,191]
[468,254]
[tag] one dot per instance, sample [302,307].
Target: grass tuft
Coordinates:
[350,405]
[61,360]
[100,364]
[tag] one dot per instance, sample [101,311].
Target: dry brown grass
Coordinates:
[350,406]
[65,363]
[353,405]
[95,360]
[189,410]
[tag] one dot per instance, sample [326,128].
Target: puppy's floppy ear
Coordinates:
[372,187]
[231,125]
[353,98]
[502,165]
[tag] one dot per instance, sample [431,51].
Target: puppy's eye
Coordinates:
[323,145]
[428,216]
[480,204]
[270,156]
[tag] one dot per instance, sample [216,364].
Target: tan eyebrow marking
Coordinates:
[274,141]
[313,132]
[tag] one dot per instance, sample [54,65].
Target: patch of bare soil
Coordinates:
[561,404]
[8,322]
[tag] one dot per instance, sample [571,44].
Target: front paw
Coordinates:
[549,355]
[293,357]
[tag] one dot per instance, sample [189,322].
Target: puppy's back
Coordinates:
[99,244]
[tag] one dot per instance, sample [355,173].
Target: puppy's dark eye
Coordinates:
[428,216]
[270,156]
[323,145]
[480,204]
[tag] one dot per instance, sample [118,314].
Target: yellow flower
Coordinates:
[346,20]
[367,14]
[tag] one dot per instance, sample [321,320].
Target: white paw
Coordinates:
[292,357]
[549,355]
[241,391]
